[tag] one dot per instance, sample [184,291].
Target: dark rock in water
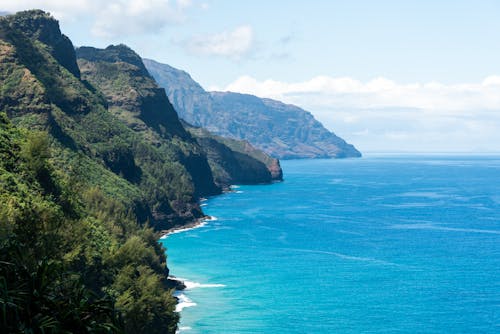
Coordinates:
[175,283]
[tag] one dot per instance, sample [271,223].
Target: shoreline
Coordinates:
[180,284]
[200,222]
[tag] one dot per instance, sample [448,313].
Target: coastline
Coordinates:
[179,285]
[200,222]
[173,281]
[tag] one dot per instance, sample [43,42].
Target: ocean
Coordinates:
[383,244]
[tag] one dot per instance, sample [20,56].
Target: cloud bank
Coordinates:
[378,93]
[110,18]
[383,115]
[232,43]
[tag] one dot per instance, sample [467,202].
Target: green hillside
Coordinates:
[135,99]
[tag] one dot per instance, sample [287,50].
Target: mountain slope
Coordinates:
[76,188]
[281,130]
[135,99]
[158,182]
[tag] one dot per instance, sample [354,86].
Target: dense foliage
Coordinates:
[136,100]
[71,258]
[157,181]
[77,188]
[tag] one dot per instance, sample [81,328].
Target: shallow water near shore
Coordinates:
[372,245]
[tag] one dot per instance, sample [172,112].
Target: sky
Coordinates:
[386,75]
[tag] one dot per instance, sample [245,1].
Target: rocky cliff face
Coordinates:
[235,161]
[44,28]
[131,92]
[135,98]
[281,130]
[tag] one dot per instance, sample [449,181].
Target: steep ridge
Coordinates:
[119,73]
[135,98]
[281,130]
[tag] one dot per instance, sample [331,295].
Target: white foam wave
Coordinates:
[184,329]
[183,302]
[195,285]
[201,224]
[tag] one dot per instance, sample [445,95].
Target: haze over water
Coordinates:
[373,245]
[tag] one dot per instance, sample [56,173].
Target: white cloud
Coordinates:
[184,3]
[233,44]
[381,114]
[377,93]
[112,17]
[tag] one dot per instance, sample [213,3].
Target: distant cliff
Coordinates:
[284,131]
[236,161]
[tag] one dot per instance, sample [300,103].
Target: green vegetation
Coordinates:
[158,179]
[71,258]
[77,189]
[136,100]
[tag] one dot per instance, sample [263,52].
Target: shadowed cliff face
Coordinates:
[281,130]
[236,161]
[41,26]
[120,74]
[134,97]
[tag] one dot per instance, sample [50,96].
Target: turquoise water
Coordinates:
[372,245]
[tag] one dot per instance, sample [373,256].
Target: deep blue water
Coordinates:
[371,245]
